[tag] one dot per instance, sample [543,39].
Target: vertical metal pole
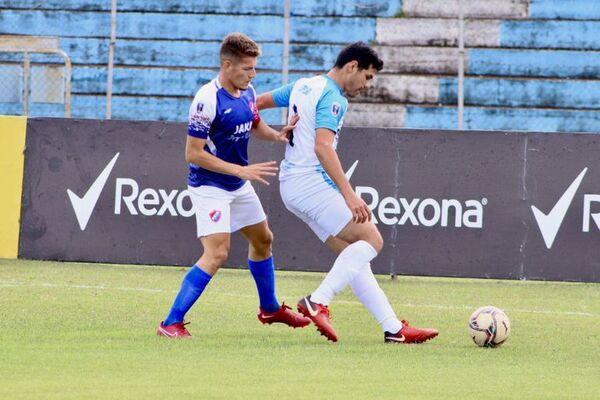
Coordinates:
[68,73]
[461,63]
[286,53]
[26,71]
[111,56]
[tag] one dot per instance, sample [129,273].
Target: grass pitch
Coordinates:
[87,331]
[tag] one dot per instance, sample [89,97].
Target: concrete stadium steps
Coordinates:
[148,108]
[544,93]
[413,89]
[476,118]
[201,27]
[498,9]
[513,9]
[182,54]
[504,119]
[361,114]
[394,89]
[561,9]
[498,92]
[371,8]
[495,62]
[160,81]
[521,53]
[504,9]
[581,35]
[436,32]
[369,114]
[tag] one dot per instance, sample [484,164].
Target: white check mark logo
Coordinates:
[83,206]
[550,223]
[400,338]
[311,310]
[351,170]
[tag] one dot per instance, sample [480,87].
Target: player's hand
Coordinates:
[360,211]
[288,130]
[258,172]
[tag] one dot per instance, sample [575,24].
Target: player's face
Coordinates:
[240,71]
[359,80]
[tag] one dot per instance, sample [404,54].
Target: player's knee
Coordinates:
[264,242]
[220,255]
[374,239]
[377,243]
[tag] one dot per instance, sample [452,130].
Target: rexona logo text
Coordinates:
[390,210]
[551,222]
[129,197]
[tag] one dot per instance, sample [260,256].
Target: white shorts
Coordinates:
[315,200]
[220,211]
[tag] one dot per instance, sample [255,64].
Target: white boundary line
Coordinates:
[15,284]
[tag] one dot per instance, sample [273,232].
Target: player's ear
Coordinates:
[226,63]
[351,66]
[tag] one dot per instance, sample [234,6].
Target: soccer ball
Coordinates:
[489,326]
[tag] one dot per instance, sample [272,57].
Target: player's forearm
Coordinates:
[208,161]
[331,164]
[265,132]
[264,101]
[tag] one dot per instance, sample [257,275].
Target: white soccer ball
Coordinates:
[489,326]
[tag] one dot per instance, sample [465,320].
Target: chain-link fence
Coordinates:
[35,76]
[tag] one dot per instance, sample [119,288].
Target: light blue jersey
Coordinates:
[320,103]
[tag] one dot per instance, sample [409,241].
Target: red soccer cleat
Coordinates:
[409,334]
[284,315]
[174,331]
[319,314]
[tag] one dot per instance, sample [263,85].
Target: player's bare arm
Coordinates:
[265,100]
[331,163]
[265,132]
[195,154]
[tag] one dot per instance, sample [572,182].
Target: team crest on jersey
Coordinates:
[215,215]
[305,90]
[253,107]
[335,109]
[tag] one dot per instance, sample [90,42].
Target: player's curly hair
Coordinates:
[238,45]
[360,52]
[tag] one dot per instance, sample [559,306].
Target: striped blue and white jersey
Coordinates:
[320,103]
[225,122]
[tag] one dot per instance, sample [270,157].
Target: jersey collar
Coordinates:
[334,83]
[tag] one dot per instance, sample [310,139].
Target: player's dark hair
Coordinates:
[238,45]
[360,52]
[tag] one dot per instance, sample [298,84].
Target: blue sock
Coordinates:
[264,276]
[191,288]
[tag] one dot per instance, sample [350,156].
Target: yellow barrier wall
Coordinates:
[12,145]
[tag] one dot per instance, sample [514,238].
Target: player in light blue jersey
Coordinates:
[314,188]
[222,117]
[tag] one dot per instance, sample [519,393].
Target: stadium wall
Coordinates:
[530,64]
[477,204]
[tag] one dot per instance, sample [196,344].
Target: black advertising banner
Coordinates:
[470,204]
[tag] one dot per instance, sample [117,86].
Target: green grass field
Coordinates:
[87,331]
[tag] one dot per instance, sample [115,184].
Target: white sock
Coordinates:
[347,264]
[367,290]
